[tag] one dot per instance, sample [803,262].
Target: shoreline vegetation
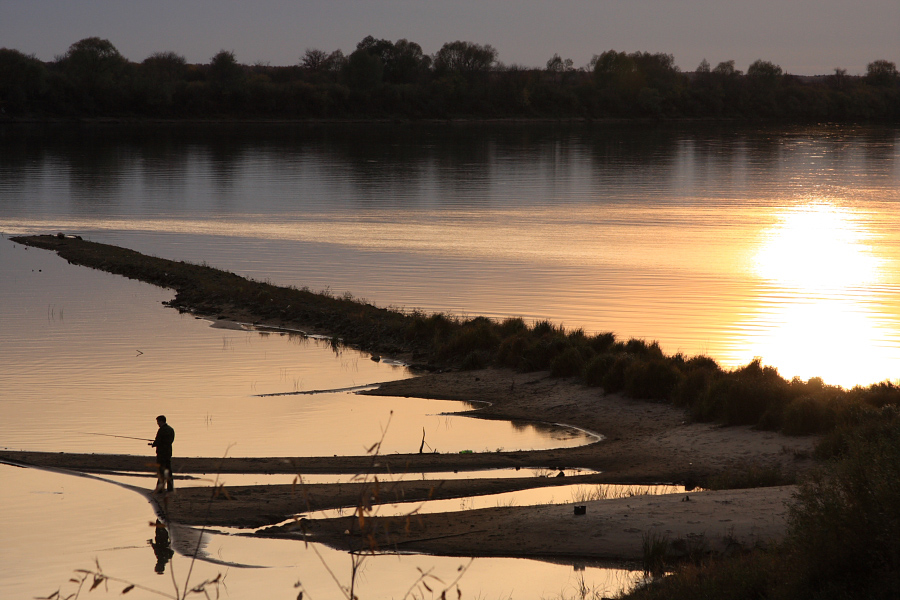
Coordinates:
[753,395]
[385,80]
[666,418]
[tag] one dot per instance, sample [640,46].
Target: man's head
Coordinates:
[161,420]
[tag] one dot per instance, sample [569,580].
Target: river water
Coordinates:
[734,242]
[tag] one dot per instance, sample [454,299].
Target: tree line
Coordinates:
[385,79]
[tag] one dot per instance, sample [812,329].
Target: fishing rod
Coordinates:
[127,437]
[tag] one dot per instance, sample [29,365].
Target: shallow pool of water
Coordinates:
[557,494]
[234,479]
[53,524]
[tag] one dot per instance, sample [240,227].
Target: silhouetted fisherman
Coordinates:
[160,545]
[165,436]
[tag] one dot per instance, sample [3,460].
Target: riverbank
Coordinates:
[645,442]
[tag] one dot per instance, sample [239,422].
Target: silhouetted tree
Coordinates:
[764,80]
[97,71]
[92,60]
[614,69]
[161,76]
[641,79]
[23,79]
[402,62]
[364,69]
[322,65]
[380,48]
[882,72]
[657,71]
[726,69]
[396,78]
[558,65]
[838,80]
[314,59]
[464,57]
[406,63]
[764,70]
[168,65]
[224,68]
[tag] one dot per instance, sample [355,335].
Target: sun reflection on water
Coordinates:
[815,316]
[819,248]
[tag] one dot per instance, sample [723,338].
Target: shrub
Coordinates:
[807,415]
[880,394]
[543,328]
[511,326]
[537,355]
[637,347]
[693,387]
[853,420]
[424,329]
[602,342]
[845,525]
[596,369]
[743,396]
[568,363]
[614,380]
[511,352]
[653,379]
[577,337]
[477,334]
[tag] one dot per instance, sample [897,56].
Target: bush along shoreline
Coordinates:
[753,395]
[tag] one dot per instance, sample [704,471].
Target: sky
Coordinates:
[804,37]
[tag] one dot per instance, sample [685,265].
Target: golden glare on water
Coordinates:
[815,317]
[817,248]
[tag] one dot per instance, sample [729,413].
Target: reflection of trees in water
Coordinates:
[880,149]
[359,166]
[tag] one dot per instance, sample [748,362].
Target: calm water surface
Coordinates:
[80,523]
[778,243]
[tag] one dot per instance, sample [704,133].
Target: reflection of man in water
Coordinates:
[160,545]
[165,436]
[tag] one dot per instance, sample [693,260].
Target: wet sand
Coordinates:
[644,443]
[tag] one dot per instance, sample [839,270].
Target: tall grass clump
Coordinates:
[810,414]
[596,369]
[655,553]
[743,396]
[653,379]
[568,363]
[473,336]
[614,380]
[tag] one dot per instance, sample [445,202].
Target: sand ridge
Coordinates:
[644,442]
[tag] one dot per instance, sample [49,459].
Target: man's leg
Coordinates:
[160,475]
[167,473]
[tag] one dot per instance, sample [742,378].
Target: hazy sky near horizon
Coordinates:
[805,37]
